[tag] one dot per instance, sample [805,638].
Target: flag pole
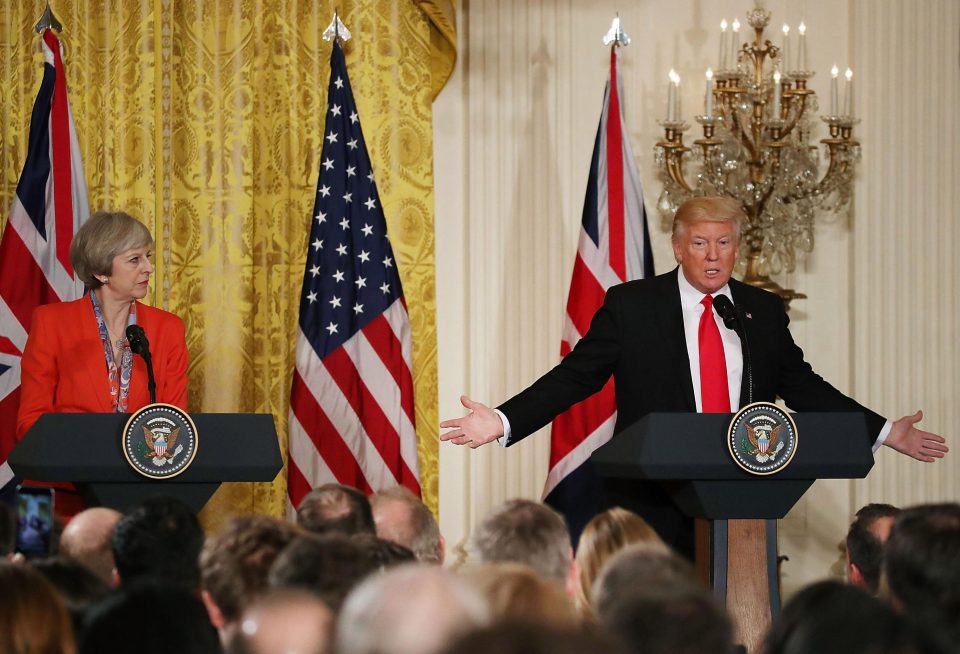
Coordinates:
[48,21]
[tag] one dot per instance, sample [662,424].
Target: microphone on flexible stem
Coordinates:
[730,315]
[140,345]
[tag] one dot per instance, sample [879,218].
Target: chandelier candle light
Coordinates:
[757,147]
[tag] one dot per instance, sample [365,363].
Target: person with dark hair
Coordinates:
[148,617]
[523,531]
[160,539]
[77,585]
[830,617]
[234,565]
[921,568]
[865,539]
[33,618]
[328,566]
[382,552]
[402,517]
[8,531]
[523,637]
[678,620]
[336,509]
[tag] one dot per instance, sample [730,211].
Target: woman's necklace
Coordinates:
[118,343]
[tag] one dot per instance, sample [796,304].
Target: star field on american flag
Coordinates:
[351,277]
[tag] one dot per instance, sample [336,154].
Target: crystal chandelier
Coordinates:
[757,124]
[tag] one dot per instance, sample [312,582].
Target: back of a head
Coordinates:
[336,509]
[413,609]
[526,532]
[33,617]
[77,585]
[641,565]
[683,620]
[235,563]
[8,530]
[383,553]
[150,618]
[328,566]
[284,622]
[515,591]
[161,540]
[829,617]
[864,547]
[87,540]
[401,517]
[606,534]
[921,565]
[519,637]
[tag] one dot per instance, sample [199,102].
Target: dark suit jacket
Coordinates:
[63,367]
[637,336]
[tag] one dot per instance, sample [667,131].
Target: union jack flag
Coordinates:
[48,208]
[614,247]
[351,403]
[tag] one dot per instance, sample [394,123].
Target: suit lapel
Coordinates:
[672,333]
[746,316]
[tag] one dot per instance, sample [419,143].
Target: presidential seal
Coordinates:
[762,438]
[160,441]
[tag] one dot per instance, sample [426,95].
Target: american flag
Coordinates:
[351,404]
[48,208]
[614,247]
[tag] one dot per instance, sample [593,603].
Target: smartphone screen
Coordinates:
[34,521]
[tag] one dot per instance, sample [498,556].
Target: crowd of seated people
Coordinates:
[358,575]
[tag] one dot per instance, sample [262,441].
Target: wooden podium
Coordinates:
[84,449]
[736,512]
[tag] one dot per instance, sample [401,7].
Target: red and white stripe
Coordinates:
[352,413]
[35,270]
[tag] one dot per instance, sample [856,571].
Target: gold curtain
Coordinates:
[205,118]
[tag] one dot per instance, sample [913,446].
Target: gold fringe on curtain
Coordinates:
[205,119]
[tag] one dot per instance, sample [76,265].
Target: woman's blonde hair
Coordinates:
[33,618]
[605,535]
[105,235]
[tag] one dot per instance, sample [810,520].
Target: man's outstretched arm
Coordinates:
[922,445]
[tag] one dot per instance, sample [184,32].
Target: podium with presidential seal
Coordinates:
[117,460]
[736,474]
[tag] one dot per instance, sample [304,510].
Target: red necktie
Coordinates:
[714,393]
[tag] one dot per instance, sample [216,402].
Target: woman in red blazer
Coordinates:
[77,358]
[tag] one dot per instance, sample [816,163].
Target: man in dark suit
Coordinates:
[668,350]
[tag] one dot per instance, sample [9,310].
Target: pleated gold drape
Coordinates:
[205,119]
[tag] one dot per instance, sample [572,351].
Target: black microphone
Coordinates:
[140,345]
[731,318]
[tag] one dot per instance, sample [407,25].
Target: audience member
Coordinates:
[235,563]
[516,637]
[160,539]
[77,586]
[865,539]
[401,517]
[382,552]
[829,617]
[527,532]
[87,540]
[921,568]
[641,565]
[606,534]
[8,531]
[147,617]
[284,622]
[33,618]
[328,566]
[412,609]
[668,620]
[514,591]
[336,509]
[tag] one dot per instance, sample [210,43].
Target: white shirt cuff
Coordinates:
[887,426]
[504,440]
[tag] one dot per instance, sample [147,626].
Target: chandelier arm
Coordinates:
[740,134]
[788,128]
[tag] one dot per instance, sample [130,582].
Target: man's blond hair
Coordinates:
[710,209]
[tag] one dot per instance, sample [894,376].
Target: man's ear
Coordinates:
[442,547]
[216,615]
[854,576]
[115,579]
[677,253]
[573,577]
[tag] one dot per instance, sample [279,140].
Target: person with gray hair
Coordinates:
[86,540]
[401,517]
[523,531]
[642,565]
[411,609]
